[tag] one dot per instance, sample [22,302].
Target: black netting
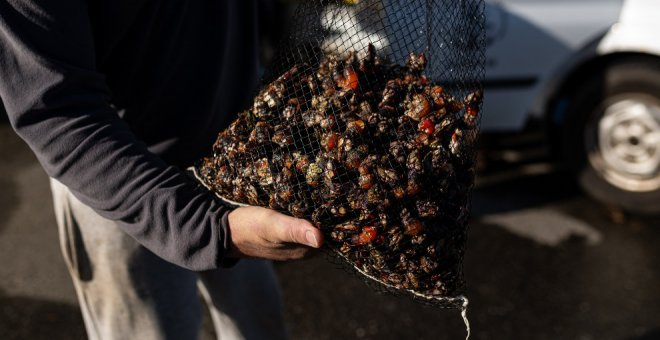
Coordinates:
[365,125]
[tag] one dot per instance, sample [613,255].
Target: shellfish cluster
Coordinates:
[373,153]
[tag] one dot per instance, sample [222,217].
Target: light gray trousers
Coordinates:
[127,292]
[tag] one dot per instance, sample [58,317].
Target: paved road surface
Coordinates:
[543,262]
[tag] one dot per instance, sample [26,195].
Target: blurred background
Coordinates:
[564,238]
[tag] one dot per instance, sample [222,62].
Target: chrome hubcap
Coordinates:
[627,143]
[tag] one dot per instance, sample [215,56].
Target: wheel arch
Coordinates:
[557,100]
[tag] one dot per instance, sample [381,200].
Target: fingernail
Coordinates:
[311,239]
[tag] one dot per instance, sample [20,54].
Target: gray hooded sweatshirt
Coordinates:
[116,97]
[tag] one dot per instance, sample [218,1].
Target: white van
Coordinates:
[590,71]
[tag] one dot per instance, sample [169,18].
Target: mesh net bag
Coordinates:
[365,125]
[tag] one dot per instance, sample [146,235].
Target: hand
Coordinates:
[264,233]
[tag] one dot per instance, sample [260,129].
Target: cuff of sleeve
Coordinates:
[225,237]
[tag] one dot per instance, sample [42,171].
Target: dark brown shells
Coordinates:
[372,153]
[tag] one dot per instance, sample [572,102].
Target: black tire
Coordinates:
[606,137]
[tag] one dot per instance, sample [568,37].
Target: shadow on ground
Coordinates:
[8,201]
[23,318]
[523,191]
[651,335]
[26,318]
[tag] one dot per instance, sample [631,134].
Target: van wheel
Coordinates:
[611,137]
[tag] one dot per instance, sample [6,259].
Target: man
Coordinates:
[114,98]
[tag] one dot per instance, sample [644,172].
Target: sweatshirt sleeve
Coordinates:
[60,105]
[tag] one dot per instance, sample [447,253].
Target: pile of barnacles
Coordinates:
[372,153]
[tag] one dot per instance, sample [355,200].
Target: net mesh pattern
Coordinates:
[365,125]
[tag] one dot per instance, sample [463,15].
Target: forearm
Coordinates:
[107,168]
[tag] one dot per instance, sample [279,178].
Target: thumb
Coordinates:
[296,230]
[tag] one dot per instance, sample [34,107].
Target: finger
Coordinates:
[295,230]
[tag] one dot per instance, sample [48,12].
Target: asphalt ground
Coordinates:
[543,262]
